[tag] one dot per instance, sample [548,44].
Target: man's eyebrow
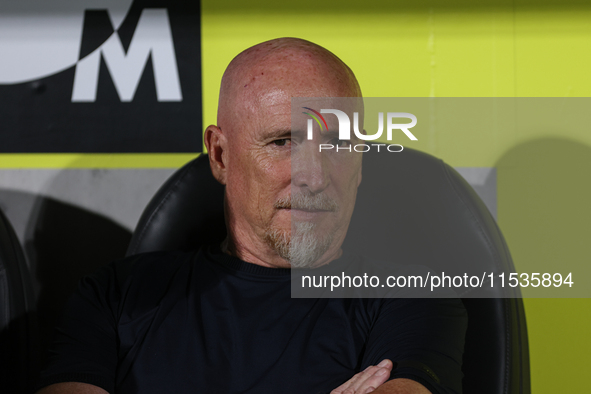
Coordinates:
[277,133]
[330,133]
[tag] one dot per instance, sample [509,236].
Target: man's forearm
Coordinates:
[401,386]
[72,388]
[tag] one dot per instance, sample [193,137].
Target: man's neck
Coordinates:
[271,258]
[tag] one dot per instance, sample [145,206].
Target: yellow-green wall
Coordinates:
[466,48]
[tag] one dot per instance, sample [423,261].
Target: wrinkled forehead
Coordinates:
[264,96]
[329,113]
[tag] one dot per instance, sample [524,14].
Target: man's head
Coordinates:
[284,200]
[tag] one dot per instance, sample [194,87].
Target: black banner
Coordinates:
[133,89]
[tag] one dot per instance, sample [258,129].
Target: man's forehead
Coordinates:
[272,107]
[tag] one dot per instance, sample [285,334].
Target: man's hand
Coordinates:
[366,381]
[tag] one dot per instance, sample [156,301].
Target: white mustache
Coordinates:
[308,201]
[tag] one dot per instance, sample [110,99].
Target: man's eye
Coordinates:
[340,143]
[282,142]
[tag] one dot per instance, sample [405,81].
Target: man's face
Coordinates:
[284,194]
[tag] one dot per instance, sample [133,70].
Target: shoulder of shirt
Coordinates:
[145,270]
[137,284]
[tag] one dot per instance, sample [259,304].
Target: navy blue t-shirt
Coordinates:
[173,322]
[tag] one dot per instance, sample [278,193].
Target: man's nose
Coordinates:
[310,168]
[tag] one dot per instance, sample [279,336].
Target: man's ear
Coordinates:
[217,146]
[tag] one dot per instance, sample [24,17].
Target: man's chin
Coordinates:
[302,246]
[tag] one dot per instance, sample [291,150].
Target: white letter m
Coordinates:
[153,37]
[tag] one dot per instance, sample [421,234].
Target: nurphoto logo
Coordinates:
[345,129]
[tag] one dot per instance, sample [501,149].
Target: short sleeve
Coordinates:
[424,338]
[84,347]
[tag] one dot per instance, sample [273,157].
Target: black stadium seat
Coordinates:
[18,330]
[433,217]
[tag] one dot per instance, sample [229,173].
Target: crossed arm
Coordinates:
[371,380]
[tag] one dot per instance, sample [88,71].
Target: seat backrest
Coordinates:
[17,328]
[186,212]
[433,218]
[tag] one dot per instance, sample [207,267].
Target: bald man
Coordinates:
[262,163]
[222,319]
